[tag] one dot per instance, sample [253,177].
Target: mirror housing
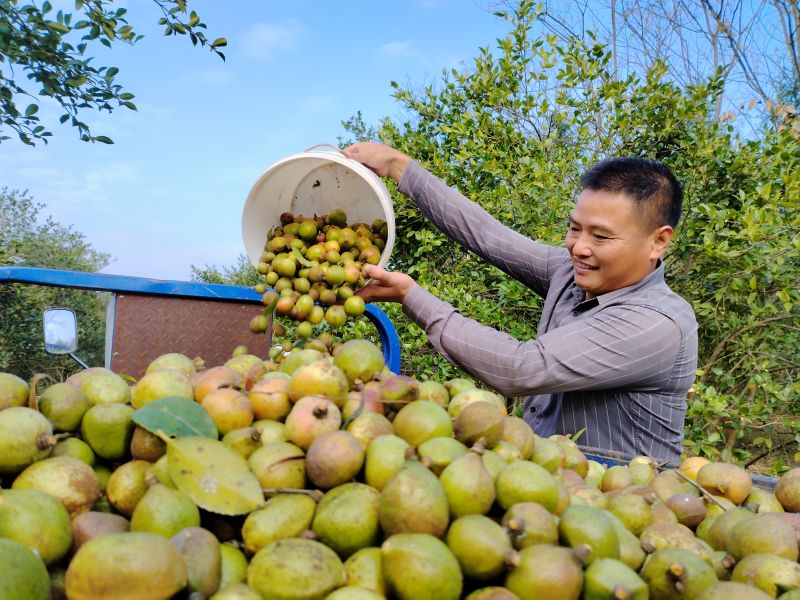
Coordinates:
[60,331]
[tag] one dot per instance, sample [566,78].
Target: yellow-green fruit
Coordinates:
[435,392]
[787,491]
[529,523]
[283,516]
[233,566]
[493,462]
[726,479]
[160,471]
[108,429]
[761,501]
[164,511]
[64,405]
[158,384]
[615,478]
[334,458]
[479,421]
[201,554]
[270,431]
[369,425]
[172,360]
[27,438]
[674,574]
[586,525]
[351,592]
[147,446]
[468,485]
[69,480]
[517,432]
[437,453]
[76,449]
[413,501]
[279,465]
[732,590]
[347,518]
[236,591]
[545,571]
[295,569]
[523,481]
[492,593]
[468,396]
[724,523]
[321,378]
[36,520]
[772,574]
[23,575]
[421,420]
[457,385]
[385,456]
[764,534]
[103,473]
[127,485]
[418,566]
[102,387]
[126,566]
[480,545]
[609,579]
[13,391]
[548,454]
[632,510]
[508,451]
[244,440]
[660,536]
[364,569]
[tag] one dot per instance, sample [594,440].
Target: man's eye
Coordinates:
[600,237]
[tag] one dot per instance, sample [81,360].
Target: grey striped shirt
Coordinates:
[618,365]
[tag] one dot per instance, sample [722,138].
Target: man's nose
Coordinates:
[582,247]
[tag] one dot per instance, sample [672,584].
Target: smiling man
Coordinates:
[616,349]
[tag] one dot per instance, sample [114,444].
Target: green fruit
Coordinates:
[27,437]
[127,485]
[102,387]
[164,511]
[64,405]
[724,523]
[334,458]
[529,523]
[632,510]
[480,545]
[545,571]
[630,550]
[36,520]
[675,574]
[24,576]
[479,421]
[143,565]
[354,306]
[283,516]
[76,449]
[492,593]
[731,590]
[69,480]
[468,485]
[420,420]
[772,574]
[346,519]
[413,501]
[295,569]
[108,429]
[236,591]
[385,457]
[418,566]
[13,391]
[161,383]
[524,481]
[764,534]
[233,566]
[661,536]
[433,391]
[517,432]
[364,569]
[586,525]
[436,453]
[609,579]
[279,465]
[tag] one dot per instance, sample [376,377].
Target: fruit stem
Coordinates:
[704,491]
[511,558]
[582,553]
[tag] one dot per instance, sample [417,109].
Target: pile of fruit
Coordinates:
[312,267]
[324,475]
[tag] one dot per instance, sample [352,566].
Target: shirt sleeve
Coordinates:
[619,346]
[466,222]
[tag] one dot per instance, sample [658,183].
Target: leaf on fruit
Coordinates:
[176,417]
[301,259]
[213,475]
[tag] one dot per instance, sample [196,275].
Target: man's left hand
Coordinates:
[386,286]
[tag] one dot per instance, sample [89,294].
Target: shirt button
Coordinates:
[575,313]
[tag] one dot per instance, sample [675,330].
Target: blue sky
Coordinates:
[169,192]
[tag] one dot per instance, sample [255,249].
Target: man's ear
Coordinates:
[660,240]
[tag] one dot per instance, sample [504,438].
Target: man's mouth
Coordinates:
[583,266]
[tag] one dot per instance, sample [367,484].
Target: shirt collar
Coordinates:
[655,277]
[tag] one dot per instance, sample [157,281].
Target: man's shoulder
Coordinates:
[659,297]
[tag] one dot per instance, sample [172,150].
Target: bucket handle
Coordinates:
[339,150]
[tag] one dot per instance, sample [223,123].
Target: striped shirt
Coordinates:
[618,365]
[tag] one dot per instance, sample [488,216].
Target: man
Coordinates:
[616,349]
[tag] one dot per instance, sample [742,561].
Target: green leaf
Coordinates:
[219,43]
[31,110]
[301,259]
[103,139]
[176,417]
[213,475]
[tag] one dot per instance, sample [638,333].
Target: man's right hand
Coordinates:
[382,160]
[386,286]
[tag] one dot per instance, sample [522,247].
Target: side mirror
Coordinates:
[60,331]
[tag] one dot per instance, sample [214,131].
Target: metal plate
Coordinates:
[145,327]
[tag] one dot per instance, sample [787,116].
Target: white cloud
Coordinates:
[399,49]
[265,41]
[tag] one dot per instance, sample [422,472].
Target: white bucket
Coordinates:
[312,183]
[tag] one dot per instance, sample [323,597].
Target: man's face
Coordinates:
[609,245]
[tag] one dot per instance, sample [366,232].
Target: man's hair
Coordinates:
[655,192]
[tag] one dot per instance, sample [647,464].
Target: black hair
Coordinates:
[653,188]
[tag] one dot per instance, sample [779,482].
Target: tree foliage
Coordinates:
[241,273]
[515,130]
[28,240]
[53,49]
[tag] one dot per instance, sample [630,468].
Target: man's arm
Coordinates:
[617,347]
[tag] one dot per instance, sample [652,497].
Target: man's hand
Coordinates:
[382,160]
[386,286]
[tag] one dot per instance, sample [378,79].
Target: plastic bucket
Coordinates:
[312,183]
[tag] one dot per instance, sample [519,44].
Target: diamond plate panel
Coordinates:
[146,327]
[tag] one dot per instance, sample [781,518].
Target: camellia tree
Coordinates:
[515,130]
[53,50]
